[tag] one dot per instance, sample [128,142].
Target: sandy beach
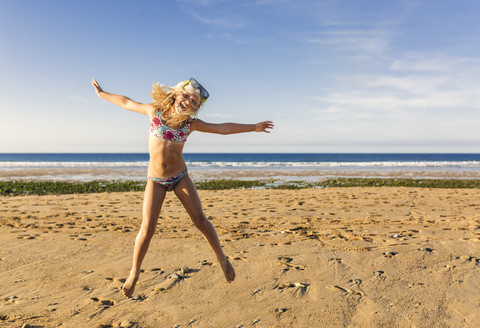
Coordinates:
[334,257]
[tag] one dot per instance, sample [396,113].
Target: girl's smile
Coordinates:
[186,103]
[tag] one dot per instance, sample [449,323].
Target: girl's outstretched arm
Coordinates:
[122,101]
[231,128]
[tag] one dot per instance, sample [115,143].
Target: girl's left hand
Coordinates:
[263,126]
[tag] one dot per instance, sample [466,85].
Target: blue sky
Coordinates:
[334,76]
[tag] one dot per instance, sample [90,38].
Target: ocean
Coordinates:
[109,166]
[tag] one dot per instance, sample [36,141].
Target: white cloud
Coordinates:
[414,84]
[409,97]
[358,44]
[427,63]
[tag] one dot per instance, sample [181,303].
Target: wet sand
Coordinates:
[335,257]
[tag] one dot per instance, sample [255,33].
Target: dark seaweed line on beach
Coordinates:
[14,188]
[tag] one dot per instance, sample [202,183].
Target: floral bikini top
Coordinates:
[160,130]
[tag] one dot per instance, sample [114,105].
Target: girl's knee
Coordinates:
[147,231]
[200,221]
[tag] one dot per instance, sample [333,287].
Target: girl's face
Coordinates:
[186,103]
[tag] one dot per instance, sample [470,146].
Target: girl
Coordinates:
[171,122]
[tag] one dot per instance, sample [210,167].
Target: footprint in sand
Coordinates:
[280,311]
[379,274]
[349,291]
[106,304]
[426,249]
[239,258]
[287,261]
[299,288]
[168,283]
[104,325]
[26,236]
[157,270]
[389,254]
[174,278]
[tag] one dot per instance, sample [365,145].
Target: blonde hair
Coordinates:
[164,99]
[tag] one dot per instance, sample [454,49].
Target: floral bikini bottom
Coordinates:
[169,183]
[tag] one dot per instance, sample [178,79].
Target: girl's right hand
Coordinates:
[97,87]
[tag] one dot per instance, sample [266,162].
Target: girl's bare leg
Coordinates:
[188,196]
[152,204]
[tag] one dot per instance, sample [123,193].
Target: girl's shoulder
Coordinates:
[195,123]
[154,112]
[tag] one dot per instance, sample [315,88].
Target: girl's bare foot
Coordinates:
[228,270]
[129,285]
